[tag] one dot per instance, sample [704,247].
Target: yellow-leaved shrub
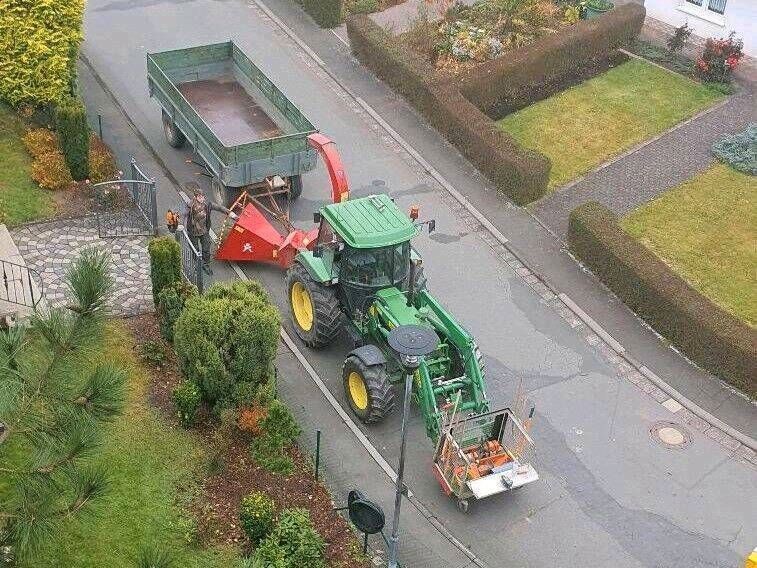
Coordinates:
[39,42]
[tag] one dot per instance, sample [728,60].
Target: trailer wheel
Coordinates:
[295,187]
[314,307]
[174,136]
[368,388]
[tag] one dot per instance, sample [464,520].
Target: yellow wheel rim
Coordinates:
[302,306]
[358,392]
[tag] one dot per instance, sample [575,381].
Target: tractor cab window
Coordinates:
[326,235]
[376,268]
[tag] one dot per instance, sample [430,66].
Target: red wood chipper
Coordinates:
[254,238]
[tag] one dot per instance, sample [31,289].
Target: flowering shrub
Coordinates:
[719,58]
[257,515]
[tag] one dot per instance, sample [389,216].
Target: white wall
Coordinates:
[740,16]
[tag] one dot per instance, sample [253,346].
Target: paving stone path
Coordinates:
[49,248]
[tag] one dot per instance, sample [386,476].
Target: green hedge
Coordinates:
[165,264]
[326,13]
[519,173]
[706,333]
[39,42]
[73,134]
[539,70]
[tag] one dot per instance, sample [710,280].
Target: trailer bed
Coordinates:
[229,110]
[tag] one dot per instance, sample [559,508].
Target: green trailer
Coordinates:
[247,132]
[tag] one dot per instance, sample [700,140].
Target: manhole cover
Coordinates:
[670,435]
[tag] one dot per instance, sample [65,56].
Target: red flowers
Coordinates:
[719,58]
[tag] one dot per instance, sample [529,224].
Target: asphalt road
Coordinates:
[609,495]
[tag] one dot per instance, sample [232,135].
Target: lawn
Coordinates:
[154,469]
[21,200]
[706,230]
[586,125]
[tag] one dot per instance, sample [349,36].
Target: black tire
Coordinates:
[327,316]
[295,187]
[378,388]
[174,136]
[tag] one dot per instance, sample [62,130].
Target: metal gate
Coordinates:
[127,207]
[20,284]
[191,259]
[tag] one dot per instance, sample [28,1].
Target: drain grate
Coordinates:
[670,435]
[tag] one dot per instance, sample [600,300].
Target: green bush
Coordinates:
[73,134]
[704,331]
[257,515]
[739,150]
[154,557]
[153,353]
[279,431]
[225,337]
[187,399]
[39,42]
[364,7]
[518,172]
[165,264]
[326,13]
[171,300]
[293,543]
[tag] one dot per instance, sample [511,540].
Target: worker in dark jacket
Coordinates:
[198,222]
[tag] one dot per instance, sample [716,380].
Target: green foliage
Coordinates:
[706,333]
[171,300]
[279,430]
[187,399]
[672,60]
[153,353]
[39,42]
[53,403]
[680,36]
[165,264]
[326,13]
[225,337]
[73,134]
[739,150]
[154,557]
[257,516]
[364,6]
[293,543]
[572,15]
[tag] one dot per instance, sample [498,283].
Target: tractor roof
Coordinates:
[370,222]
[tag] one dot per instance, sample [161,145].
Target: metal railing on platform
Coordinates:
[20,284]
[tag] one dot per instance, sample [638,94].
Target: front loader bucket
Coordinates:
[254,238]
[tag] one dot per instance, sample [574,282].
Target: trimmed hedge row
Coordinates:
[326,13]
[705,332]
[519,173]
[537,71]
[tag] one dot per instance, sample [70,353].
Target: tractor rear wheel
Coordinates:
[174,136]
[314,307]
[368,388]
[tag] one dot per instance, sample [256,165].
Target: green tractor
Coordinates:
[364,276]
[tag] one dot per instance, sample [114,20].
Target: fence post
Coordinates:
[317,453]
[154,206]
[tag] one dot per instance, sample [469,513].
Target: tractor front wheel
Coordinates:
[314,307]
[368,388]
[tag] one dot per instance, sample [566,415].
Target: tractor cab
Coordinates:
[364,246]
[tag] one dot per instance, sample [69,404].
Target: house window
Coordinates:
[695,2]
[717,6]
